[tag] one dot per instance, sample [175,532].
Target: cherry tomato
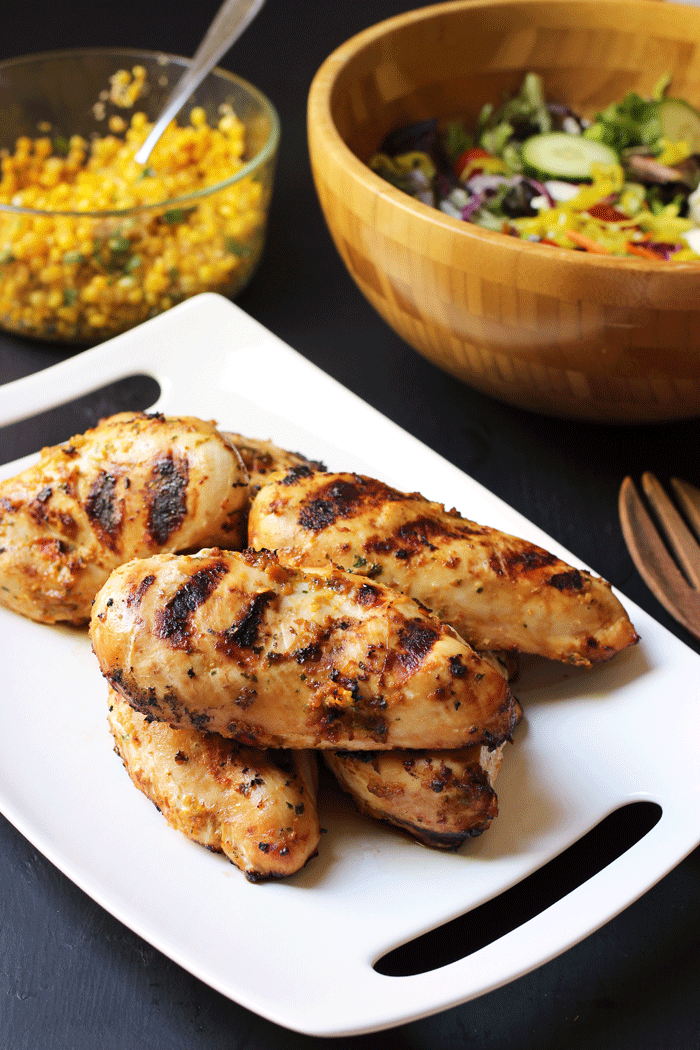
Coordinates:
[469,155]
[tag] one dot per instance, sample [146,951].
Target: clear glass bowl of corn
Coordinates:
[92,243]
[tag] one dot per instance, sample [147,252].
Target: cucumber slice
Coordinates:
[561,156]
[680,122]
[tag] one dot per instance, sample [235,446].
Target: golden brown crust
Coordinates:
[236,643]
[257,807]
[497,591]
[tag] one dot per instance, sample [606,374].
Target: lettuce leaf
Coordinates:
[632,122]
[522,115]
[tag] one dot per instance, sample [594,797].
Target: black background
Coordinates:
[71,976]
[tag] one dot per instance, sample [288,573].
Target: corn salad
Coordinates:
[86,276]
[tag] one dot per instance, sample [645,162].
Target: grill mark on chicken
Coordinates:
[319,514]
[415,642]
[173,619]
[568,581]
[167,496]
[418,535]
[102,509]
[378,545]
[367,595]
[528,558]
[244,633]
[346,499]
[310,653]
[68,525]
[495,561]
[302,471]
[333,724]
[136,596]
[457,668]
[337,499]
[424,530]
[37,507]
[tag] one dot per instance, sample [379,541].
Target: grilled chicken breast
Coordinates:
[257,807]
[236,643]
[134,485]
[440,798]
[262,458]
[497,591]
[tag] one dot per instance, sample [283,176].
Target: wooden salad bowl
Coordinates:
[551,329]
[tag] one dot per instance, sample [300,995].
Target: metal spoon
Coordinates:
[229,22]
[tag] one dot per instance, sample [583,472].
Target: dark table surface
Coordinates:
[71,976]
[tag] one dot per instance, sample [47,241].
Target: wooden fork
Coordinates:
[678,591]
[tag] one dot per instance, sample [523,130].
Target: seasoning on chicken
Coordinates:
[262,458]
[497,591]
[256,807]
[236,643]
[441,798]
[134,485]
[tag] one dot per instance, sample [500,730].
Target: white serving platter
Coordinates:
[300,952]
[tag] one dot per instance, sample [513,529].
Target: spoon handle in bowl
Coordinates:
[230,21]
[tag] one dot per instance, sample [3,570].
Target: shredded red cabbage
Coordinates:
[474,204]
[543,191]
[662,249]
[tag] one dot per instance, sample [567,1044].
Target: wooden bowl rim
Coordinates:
[320,120]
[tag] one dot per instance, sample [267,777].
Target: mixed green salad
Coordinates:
[625,183]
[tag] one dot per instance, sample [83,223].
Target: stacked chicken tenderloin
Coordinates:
[351,619]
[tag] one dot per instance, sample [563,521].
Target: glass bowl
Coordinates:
[84,256]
